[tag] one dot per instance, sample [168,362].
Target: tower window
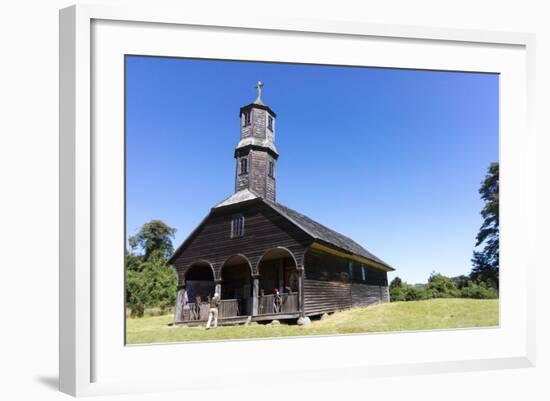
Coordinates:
[244,166]
[270,123]
[271,169]
[246,119]
[237,226]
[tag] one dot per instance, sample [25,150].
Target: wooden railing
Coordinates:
[227,308]
[192,313]
[288,304]
[234,307]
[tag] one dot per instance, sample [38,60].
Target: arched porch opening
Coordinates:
[236,287]
[278,282]
[199,287]
[199,281]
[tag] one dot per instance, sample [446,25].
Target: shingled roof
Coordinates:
[314,229]
[323,233]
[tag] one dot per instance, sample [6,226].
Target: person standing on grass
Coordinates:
[213,311]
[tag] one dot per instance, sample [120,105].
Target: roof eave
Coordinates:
[236,205]
[324,246]
[181,248]
[343,252]
[257,106]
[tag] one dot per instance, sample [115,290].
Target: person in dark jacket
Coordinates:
[197,308]
[276,301]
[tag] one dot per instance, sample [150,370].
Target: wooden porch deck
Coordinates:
[229,311]
[228,321]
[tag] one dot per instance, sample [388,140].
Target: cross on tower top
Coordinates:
[259,86]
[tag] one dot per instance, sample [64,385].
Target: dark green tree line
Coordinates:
[440,286]
[150,281]
[486,261]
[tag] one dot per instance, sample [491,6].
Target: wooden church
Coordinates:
[249,247]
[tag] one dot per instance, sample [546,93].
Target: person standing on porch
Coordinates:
[197,308]
[276,301]
[213,311]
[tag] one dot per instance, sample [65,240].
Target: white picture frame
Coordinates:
[92,352]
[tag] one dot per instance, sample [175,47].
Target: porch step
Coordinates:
[276,316]
[232,320]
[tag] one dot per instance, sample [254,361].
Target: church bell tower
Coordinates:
[256,155]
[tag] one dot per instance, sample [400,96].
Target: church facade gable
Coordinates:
[263,230]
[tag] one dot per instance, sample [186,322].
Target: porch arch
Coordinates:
[278,282]
[277,268]
[200,267]
[199,280]
[238,258]
[236,286]
[273,252]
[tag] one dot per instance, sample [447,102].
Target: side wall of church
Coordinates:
[334,283]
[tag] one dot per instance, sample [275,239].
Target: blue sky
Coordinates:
[391,158]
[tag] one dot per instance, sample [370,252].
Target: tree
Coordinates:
[440,286]
[397,290]
[412,293]
[133,262]
[150,281]
[461,281]
[486,261]
[396,282]
[154,285]
[154,236]
[478,291]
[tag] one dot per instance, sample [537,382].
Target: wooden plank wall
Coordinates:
[264,229]
[328,287]
[385,294]
[365,295]
[326,296]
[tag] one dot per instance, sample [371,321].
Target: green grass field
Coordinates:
[397,316]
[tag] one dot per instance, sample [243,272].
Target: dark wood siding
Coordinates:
[326,284]
[376,277]
[333,283]
[326,296]
[264,229]
[320,266]
[364,294]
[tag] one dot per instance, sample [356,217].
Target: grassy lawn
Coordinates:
[397,316]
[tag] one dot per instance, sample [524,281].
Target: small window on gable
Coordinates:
[237,226]
[350,270]
[271,169]
[363,275]
[270,123]
[246,118]
[244,166]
